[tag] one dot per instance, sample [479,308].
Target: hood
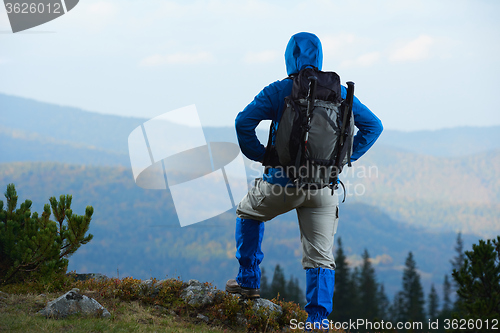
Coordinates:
[303,49]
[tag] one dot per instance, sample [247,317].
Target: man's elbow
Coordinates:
[239,124]
[237,121]
[379,127]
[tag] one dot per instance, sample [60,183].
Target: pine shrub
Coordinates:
[33,247]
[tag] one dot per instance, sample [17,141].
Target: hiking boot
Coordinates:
[234,288]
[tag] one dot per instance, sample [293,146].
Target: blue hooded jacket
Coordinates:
[303,49]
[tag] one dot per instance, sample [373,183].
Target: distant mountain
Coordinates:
[454,193]
[443,180]
[137,233]
[449,142]
[19,146]
[66,124]
[25,119]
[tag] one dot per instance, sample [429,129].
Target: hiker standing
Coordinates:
[275,193]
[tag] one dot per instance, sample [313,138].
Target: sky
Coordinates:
[418,65]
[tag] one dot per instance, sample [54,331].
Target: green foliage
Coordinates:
[456,263]
[479,282]
[59,282]
[368,288]
[226,310]
[459,259]
[446,311]
[35,247]
[278,285]
[294,292]
[286,290]
[344,300]
[383,303]
[413,293]
[433,304]
[357,294]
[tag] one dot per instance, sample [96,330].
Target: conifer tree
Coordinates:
[265,292]
[446,310]
[33,246]
[479,282]
[294,292]
[288,290]
[458,260]
[383,304]
[412,292]
[368,289]
[433,304]
[397,308]
[278,284]
[457,263]
[354,291]
[342,299]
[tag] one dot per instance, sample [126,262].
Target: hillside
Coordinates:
[448,142]
[442,193]
[447,180]
[104,304]
[136,231]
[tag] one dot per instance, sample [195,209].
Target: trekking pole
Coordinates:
[305,123]
[347,110]
[313,80]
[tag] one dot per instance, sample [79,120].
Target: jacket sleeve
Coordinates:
[369,127]
[265,106]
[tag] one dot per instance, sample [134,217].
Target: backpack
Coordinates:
[313,139]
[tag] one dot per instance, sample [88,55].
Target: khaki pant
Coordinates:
[317,211]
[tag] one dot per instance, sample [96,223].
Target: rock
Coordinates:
[73,302]
[202,317]
[88,276]
[151,287]
[266,304]
[197,293]
[240,319]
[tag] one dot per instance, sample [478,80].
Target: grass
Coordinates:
[18,314]
[135,310]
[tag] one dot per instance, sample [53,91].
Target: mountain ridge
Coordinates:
[137,233]
[437,192]
[18,113]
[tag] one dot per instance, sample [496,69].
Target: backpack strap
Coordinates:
[342,147]
[271,156]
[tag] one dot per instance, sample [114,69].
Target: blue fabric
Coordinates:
[249,234]
[319,294]
[267,105]
[303,49]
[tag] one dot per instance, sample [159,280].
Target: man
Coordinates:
[271,196]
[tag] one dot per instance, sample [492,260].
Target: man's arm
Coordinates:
[265,106]
[369,128]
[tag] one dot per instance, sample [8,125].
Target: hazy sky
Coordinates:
[416,64]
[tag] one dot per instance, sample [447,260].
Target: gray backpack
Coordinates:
[313,140]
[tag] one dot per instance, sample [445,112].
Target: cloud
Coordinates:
[365,60]
[383,259]
[415,50]
[334,45]
[102,8]
[260,57]
[180,58]
[97,16]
